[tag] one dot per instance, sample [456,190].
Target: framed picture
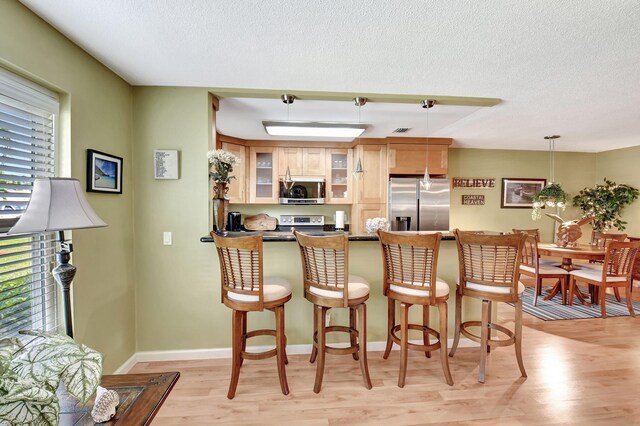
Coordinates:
[104,172]
[518,193]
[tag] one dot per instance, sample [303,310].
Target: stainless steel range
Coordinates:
[304,223]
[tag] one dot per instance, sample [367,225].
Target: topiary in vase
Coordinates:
[30,375]
[551,195]
[604,202]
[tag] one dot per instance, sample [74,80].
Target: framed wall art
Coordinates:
[518,193]
[104,172]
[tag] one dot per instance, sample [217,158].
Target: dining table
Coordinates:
[568,255]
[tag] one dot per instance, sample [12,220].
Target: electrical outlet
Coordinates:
[327,318]
[167,238]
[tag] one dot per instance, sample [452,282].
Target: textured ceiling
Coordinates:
[561,67]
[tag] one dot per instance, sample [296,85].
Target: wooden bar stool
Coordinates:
[489,271]
[615,272]
[410,265]
[244,289]
[327,284]
[532,266]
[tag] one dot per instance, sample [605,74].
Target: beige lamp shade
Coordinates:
[57,204]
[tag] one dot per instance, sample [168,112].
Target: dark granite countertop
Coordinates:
[279,236]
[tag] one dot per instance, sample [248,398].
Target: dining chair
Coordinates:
[489,271]
[531,266]
[409,269]
[600,239]
[244,289]
[327,284]
[615,273]
[535,233]
[635,274]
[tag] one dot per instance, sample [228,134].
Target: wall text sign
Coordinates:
[479,183]
[473,200]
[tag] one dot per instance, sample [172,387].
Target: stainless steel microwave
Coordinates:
[303,190]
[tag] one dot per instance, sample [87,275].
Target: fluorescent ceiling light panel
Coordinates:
[314,129]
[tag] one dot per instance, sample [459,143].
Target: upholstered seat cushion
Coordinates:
[549,262]
[544,269]
[597,266]
[492,289]
[442,289]
[273,288]
[595,275]
[358,287]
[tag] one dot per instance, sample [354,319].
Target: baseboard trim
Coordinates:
[216,353]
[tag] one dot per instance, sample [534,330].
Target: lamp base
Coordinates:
[63,274]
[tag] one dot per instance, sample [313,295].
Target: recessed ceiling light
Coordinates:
[314,129]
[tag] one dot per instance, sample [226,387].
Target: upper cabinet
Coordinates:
[301,161]
[237,187]
[263,175]
[412,159]
[339,188]
[372,184]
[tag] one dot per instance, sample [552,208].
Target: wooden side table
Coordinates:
[141,396]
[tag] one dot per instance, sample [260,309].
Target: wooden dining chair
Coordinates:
[409,268]
[536,234]
[531,266]
[327,284]
[489,271]
[601,239]
[244,289]
[635,273]
[615,273]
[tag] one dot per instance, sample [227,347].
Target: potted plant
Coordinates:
[551,195]
[30,374]
[223,163]
[604,202]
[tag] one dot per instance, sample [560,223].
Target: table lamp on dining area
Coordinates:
[59,204]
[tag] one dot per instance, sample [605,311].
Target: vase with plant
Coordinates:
[223,163]
[551,195]
[604,202]
[31,373]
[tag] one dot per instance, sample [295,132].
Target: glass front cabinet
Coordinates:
[339,187]
[263,175]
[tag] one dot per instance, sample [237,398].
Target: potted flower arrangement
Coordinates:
[30,374]
[551,195]
[223,163]
[604,202]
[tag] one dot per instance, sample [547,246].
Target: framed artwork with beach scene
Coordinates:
[518,193]
[104,172]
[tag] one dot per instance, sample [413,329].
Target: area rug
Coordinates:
[551,310]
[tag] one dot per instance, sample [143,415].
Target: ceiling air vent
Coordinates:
[401,130]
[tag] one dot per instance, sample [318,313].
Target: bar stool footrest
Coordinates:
[259,355]
[414,346]
[491,342]
[334,350]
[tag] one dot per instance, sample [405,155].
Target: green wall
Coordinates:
[95,113]
[623,166]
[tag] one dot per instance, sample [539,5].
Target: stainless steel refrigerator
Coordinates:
[413,208]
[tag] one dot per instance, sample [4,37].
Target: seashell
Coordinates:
[105,406]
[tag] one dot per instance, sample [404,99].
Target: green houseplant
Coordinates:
[30,375]
[605,202]
[551,195]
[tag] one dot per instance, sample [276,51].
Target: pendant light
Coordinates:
[426,179]
[359,102]
[552,195]
[287,181]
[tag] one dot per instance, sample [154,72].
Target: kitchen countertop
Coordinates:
[279,236]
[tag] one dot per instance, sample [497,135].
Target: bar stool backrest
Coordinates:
[411,261]
[325,264]
[530,252]
[490,260]
[619,258]
[241,270]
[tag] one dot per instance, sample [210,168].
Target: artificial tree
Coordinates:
[604,202]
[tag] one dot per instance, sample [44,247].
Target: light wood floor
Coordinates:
[580,372]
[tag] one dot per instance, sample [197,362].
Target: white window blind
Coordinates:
[28,294]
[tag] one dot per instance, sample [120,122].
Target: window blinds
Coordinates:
[28,295]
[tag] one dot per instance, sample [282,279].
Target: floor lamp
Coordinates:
[59,204]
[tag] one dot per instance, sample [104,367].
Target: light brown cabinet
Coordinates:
[301,161]
[339,186]
[237,188]
[361,212]
[411,159]
[372,184]
[263,175]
